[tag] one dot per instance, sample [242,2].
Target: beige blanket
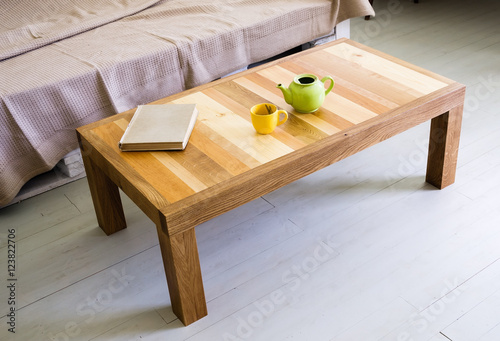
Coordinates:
[47,92]
[29,24]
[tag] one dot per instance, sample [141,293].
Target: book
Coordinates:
[159,127]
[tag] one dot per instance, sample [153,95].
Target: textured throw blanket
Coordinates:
[29,24]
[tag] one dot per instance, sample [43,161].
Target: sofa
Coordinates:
[64,64]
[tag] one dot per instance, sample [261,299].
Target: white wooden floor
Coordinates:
[362,250]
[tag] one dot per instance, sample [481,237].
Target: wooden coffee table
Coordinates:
[227,164]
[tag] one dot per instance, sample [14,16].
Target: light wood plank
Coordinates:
[387,68]
[237,130]
[181,172]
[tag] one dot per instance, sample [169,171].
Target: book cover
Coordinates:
[159,127]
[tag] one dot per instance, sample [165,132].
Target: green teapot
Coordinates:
[307,92]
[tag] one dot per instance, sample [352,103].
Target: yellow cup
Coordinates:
[266,116]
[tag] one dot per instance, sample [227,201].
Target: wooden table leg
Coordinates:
[183,271]
[106,198]
[443,148]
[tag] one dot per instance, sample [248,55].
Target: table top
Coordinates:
[224,150]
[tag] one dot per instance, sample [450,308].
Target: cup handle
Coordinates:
[326,78]
[284,119]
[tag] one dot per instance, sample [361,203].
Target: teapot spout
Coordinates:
[287,94]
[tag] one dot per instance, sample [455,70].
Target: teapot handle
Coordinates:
[332,83]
